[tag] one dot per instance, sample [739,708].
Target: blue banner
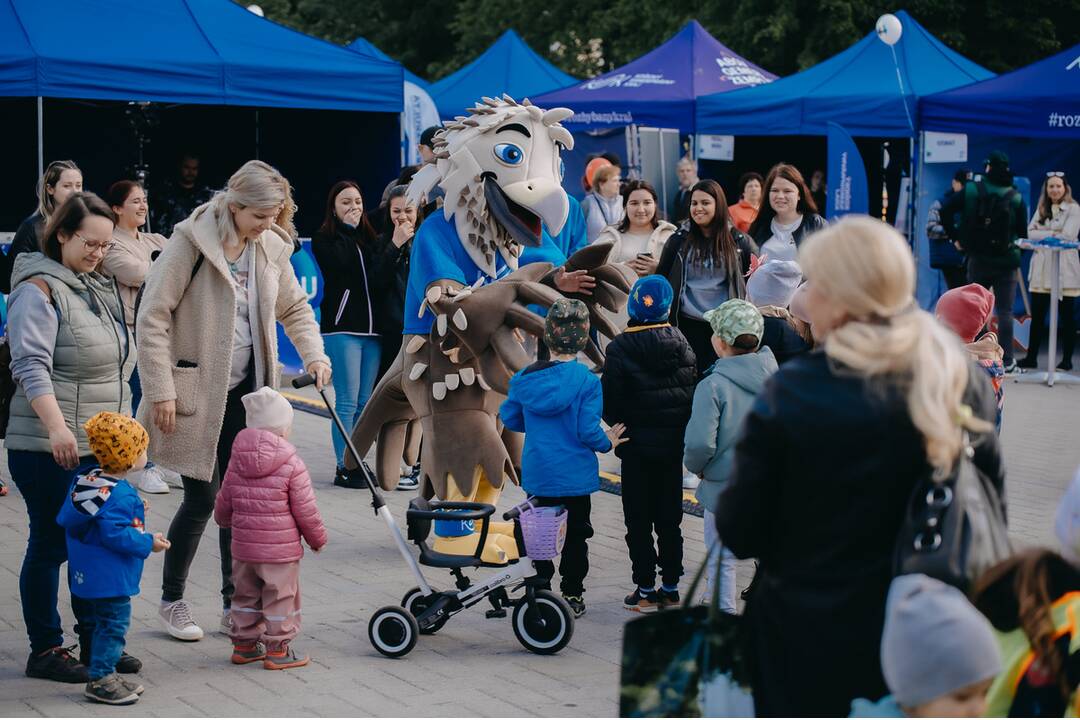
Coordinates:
[307,272]
[846,177]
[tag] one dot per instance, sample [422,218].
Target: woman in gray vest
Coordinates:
[208,336]
[70,359]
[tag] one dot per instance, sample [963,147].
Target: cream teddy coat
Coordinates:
[186,335]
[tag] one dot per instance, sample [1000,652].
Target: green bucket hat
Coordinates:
[566,328]
[735,318]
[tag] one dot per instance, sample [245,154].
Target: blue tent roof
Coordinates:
[1041,100]
[660,88]
[508,66]
[183,51]
[856,88]
[367,49]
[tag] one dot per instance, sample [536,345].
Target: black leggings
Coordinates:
[699,334]
[195,510]
[1040,305]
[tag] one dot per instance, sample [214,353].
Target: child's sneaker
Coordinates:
[284,658]
[242,654]
[226,626]
[668,598]
[576,603]
[110,690]
[135,687]
[641,601]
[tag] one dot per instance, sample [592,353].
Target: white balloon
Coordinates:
[256,10]
[889,29]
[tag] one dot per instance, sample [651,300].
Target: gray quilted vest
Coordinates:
[91,361]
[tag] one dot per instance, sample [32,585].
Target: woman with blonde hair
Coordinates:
[61,180]
[207,336]
[830,454]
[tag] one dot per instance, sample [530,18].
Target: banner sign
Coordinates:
[939,147]
[847,188]
[716,147]
[307,272]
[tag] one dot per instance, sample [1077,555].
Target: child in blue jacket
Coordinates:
[557,403]
[107,543]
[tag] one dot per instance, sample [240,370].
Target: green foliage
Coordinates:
[587,37]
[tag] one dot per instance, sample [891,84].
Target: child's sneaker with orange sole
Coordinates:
[244,653]
[284,658]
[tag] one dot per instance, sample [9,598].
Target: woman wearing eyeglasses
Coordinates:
[70,355]
[1057,216]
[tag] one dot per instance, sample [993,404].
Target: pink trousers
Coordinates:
[266,602]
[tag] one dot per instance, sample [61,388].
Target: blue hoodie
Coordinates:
[557,406]
[106,542]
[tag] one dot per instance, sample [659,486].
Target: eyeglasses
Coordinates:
[1055,173]
[94,246]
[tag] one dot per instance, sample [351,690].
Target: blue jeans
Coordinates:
[136,390]
[355,362]
[112,616]
[44,486]
[721,561]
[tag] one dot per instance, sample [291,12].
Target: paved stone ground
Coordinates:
[473,666]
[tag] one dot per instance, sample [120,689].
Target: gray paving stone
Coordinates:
[473,666]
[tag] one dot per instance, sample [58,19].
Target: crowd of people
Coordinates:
[762,352]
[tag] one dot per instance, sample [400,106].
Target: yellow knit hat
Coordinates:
[116,440]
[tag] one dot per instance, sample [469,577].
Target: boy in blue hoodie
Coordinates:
[557,403]
[721,401]
[107,543]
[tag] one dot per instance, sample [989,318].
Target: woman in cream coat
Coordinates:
[207,336]
[1058,216]
[640,237]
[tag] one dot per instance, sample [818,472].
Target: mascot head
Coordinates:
[501,170]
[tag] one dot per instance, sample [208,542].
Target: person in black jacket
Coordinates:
[395,245]
[705,261]
[648,381]
[345,247]
[830,454]
[788,214]
[61,180]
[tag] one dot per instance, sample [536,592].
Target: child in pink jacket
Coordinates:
[267,500]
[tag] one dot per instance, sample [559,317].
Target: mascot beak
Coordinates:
[521,207]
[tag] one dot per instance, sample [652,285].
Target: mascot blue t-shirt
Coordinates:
[437,254]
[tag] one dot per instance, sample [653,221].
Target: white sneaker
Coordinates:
[151,480]
[690,481]
[226,626]
[177,621]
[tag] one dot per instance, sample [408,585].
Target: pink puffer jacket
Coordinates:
[267,500]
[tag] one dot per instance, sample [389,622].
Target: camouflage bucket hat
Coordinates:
[735,318]
[566,329]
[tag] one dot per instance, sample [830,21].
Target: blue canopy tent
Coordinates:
[1041,100]
[364,47]
[508,66]
[856,88]
[661,87]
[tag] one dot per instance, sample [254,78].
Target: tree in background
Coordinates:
[587,37]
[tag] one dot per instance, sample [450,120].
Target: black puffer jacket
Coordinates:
[390,305]
[353,279]
[823,472]
[649,378]
[811,223]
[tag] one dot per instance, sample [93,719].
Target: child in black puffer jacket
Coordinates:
[648,382]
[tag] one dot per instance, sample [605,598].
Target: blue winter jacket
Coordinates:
[558,406]
[104,521]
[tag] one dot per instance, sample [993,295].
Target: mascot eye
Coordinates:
[509,153]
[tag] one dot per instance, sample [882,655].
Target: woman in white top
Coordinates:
[639,238]
[787,216]
[1057,216]
[128,261]
[603,206]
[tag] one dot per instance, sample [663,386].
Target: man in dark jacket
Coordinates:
[991,242]
[648,382]
[945,255]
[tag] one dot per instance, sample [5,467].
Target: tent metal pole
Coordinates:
[40,137]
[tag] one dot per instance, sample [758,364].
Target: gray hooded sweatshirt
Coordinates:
[721,401]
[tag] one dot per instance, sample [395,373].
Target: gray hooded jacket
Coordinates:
[721,401]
